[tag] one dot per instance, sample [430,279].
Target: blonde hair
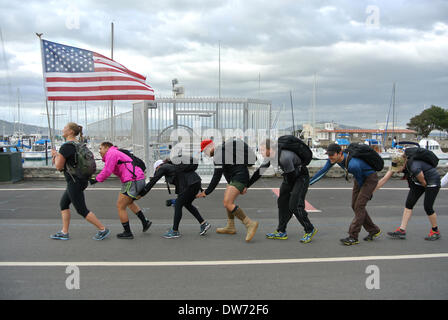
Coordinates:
[77,129]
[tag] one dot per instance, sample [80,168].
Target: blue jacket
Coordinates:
[359,168]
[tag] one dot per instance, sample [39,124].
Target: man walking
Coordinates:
[365,182]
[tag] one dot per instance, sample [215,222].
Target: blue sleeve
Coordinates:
[322,172]
[356,170]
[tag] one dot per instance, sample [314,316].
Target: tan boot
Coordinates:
[251,225]
[230,227]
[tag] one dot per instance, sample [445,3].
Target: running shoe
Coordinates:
[101,235]
[171,234]
[147,225]
[372,236]
[277,235]
[397,234]
[204,227]
[433,235]
[125,235]
[349,241]
[60,236]
[308,236]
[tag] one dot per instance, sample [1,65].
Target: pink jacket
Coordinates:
[111,165]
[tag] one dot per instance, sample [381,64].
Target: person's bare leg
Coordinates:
[65,214]
[122,203]
[230,196]
[407,213]
[134,207]
[433,220]
[91,217]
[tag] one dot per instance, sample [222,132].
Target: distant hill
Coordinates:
[339,126]
[8,128]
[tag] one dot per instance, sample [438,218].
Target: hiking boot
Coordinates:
[397,234]
[204,227]
[147,225]
[60,236]
[230,227]
[250,225]
[308,236]
[433,235]
[101,235]
[349,241]
[372,236]
[171,234]
[277,235]
[125,235]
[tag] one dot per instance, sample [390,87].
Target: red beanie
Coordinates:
[205,143]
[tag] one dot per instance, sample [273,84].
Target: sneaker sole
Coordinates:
[432,239]
[174,237]
[277,238]
[311,237]
[376,235]
[396,237]
[349,243]
[205,230]
[103,237]
[63,239]
[125,238]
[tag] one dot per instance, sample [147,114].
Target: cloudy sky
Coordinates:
[356,49]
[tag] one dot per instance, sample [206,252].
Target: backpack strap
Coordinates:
[133,166]
[347,160]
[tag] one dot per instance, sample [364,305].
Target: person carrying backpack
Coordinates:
[292,159]
[181,173]
[419,168]
[365,182]
[132,180]
[232,159]
[77,163]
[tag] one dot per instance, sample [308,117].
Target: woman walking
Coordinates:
[188,184]
[132,178]
[66,160]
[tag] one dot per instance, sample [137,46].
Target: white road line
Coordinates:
[217,262]
[115,189]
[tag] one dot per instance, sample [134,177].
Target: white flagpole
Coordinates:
[39,35]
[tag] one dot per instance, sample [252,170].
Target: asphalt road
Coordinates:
[214,266]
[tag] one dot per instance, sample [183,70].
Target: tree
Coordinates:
[434,118]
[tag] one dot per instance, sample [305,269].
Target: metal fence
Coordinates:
[147,129]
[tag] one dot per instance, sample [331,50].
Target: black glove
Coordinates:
[93,181]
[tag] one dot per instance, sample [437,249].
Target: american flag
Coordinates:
[73,74]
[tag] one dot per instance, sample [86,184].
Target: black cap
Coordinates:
[332,148]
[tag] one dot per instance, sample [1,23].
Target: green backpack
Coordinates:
[85,165]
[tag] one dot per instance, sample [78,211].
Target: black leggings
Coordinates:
[185,199]
[292,201]
[415,192]
[75,194]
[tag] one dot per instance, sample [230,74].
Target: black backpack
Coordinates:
[422,154]
[365,153]
[182,165]
[294,144]
[239,149]
[136,161]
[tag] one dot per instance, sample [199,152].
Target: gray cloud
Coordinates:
[285,42]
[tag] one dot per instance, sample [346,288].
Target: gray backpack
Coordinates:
[85,165]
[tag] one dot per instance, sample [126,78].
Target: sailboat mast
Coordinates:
[292,114]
